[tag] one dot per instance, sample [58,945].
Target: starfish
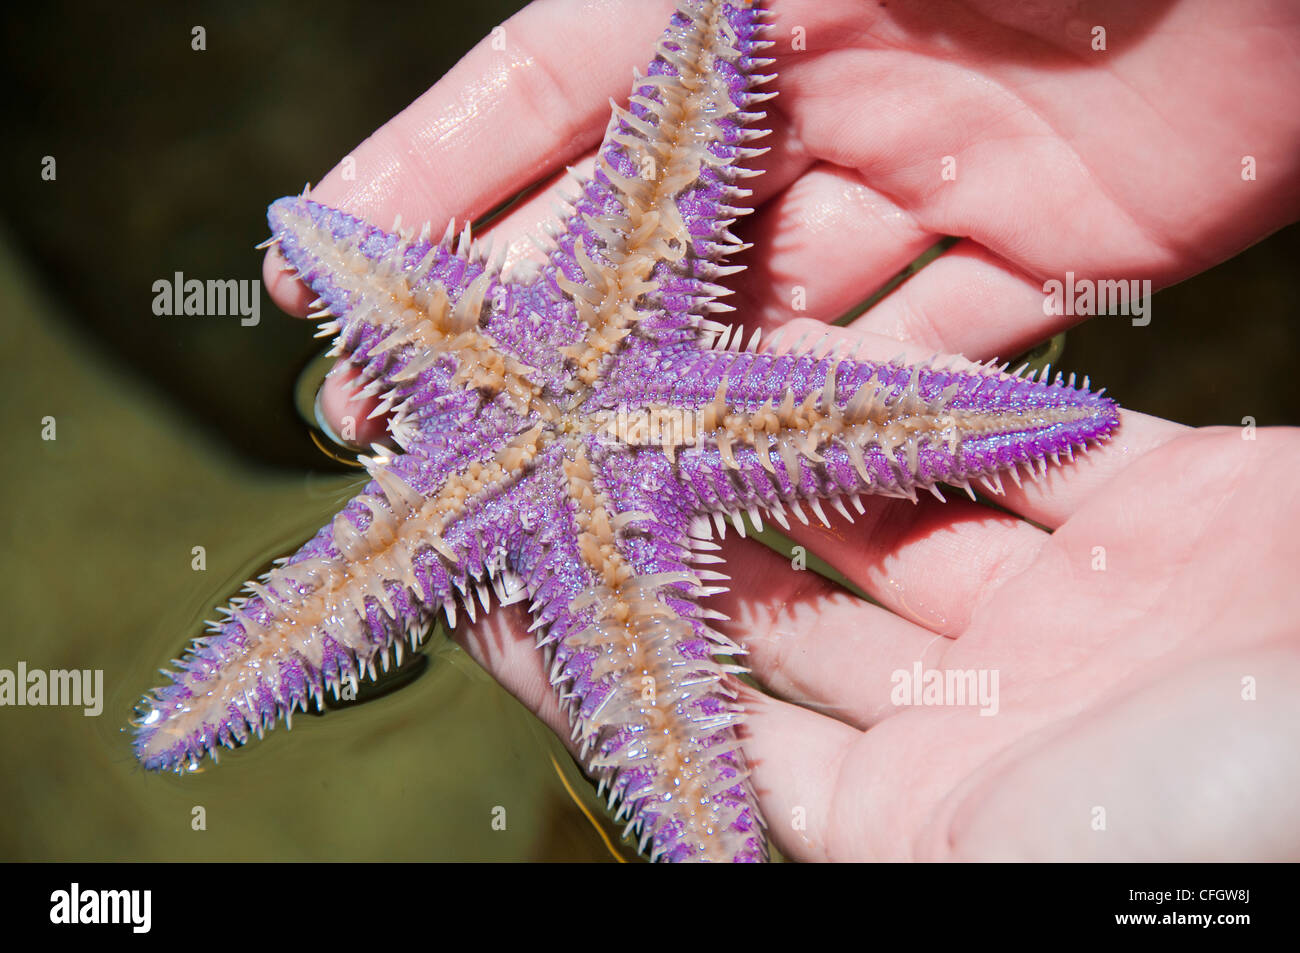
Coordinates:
[565,433]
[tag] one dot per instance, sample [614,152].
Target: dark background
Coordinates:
[168,157]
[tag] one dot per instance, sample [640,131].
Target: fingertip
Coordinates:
[287,292]
[346,418]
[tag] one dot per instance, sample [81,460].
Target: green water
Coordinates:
[98,531]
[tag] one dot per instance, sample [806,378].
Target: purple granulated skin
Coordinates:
[512,474]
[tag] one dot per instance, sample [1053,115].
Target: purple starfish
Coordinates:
[566,435]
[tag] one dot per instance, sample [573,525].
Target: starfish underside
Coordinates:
[562,435]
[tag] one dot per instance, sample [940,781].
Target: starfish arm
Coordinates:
[649,232]
[419,319]
[618,605]
[752,431]
[424,531]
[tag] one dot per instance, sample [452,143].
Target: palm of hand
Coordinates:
[1124,683]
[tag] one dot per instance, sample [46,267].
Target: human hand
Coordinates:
[464,146]
[1128,644]
[1123,163]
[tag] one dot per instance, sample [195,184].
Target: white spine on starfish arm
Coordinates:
[304,602]
[668,155]
[422,323]
[634,640]
[871,417]
[883,414]
[671,762]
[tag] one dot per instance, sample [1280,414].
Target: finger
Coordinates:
[344,416]
[523,230]
[795,756]
[499,641]
[827,242]
[935,564]
[1053,497]
[811,642]
[967,155]
[967,301]
[516,107]
[792,752]
[833,793]
[929,562]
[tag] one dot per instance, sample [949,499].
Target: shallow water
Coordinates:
[98,531]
